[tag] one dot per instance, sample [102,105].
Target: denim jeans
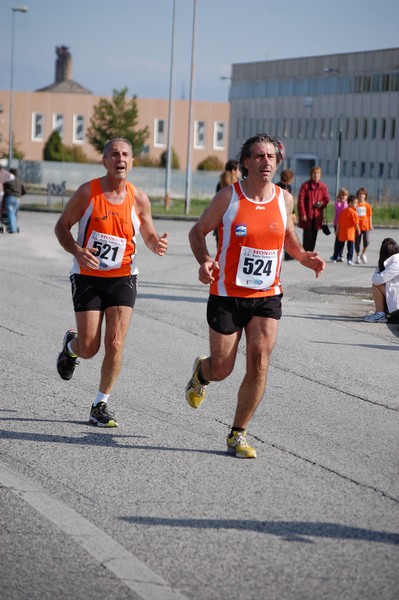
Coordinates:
[12,205]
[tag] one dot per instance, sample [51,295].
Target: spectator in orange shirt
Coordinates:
[365,214]
[347,229]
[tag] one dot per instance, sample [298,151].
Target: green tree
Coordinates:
[210,163]
[117,118]
[54,148]
[175,163]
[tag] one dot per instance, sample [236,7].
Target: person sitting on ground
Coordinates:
[385,287]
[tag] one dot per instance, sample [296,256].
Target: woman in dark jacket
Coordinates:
[313,198]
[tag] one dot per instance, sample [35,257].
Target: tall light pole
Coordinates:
[170,116]
[190,108]
[15,9]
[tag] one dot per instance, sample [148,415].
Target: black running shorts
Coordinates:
[228,315]
[99,293]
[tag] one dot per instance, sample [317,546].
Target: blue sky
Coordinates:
[117,44]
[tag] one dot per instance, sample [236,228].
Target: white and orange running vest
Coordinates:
[250,249]
[110,229]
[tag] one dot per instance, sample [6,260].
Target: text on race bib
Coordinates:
[256,268]
[109,249]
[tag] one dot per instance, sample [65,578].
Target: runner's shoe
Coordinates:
[238,445]
[363,258]
[195,389]
[100,416]
[66,363]
[377,317]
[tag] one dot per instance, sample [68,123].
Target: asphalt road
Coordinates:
[155,509]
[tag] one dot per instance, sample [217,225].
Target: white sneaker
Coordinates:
[357,261]
[363,258]
[377,317]
[350,263]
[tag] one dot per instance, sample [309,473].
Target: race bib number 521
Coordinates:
[109,250]
[256,268]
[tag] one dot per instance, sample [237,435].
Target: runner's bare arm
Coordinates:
[209,220]
[70,216]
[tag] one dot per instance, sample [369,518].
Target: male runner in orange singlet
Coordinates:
[254,223]
[110,212]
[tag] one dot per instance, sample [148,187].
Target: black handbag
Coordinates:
[325,228]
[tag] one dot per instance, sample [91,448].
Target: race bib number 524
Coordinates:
[109,250]
[256,268]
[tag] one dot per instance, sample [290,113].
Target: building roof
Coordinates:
[67,86]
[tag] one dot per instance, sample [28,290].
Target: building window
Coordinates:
[392,133]
[315,129]
[159,132]
[353,168]
[307,127]
[380,169]
[199,134]
[365,129]
[58,124]
[362,169]
[219,136]
[345,167]
[373,129]
[323,128]
[299,128]
[347,128]
[356,129]
[372,166]
[390,170]
[78,129]
[37,126]
[383,128]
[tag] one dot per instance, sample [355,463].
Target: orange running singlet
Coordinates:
[111,230]
[251,241]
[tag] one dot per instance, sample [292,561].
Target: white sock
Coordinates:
[379,312]
[100,398]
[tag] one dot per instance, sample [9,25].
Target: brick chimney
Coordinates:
[63,64]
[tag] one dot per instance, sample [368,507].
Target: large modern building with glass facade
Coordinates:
[339,111]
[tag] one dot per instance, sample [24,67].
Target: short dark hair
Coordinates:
[246,149]
[231,165]
[388,248]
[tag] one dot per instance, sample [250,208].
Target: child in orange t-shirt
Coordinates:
[365,214]
[347,229]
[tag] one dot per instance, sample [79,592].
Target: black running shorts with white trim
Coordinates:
[99,293]
[227,315]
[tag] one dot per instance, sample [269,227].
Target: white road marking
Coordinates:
[124,565]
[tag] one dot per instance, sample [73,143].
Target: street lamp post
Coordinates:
[187,200]
[15,9]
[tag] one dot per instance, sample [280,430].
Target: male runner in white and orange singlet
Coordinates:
[253,217]
[110,212]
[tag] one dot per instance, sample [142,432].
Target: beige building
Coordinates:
[67,107]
